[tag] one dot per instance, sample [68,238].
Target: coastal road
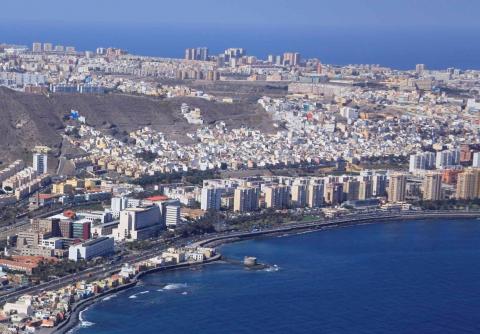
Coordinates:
[101,271]
[93,273]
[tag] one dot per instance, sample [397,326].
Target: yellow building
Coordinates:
[397,187]
[112,165]
[76,183]
[62,188]
[90,183]
[468,184]
[432,186]
[101,143]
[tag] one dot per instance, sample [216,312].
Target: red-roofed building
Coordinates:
[26,264]
[69,214]
[158,198]
[39,200]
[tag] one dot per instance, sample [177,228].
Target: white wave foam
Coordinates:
[175,286]
[133,296]
[143,292]
[109,297]
[184,293]
[272,269]
[84,323]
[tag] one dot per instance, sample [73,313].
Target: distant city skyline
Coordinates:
[398,34]
[322,13]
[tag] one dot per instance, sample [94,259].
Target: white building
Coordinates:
[96,216]
[476,160]
[194,256]
[90,249]
[40,163]
[447,158]
[172,215]
[472,105]
[421,161]
[138,223]
[127,270]
[211,198]
[52,243]
[22,306]
[118,204]
[349,113]
[105,229]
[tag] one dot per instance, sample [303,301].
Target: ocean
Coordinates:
[399,48]
[405,277]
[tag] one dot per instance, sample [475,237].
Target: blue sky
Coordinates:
[284,13]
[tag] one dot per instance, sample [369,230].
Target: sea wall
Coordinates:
[73,317]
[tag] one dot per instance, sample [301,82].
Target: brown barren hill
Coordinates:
[29,119]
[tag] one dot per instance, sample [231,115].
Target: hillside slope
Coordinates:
[28,120]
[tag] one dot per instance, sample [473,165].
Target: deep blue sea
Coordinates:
[406,277]
[400,48]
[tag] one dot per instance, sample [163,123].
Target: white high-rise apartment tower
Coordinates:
[40,163]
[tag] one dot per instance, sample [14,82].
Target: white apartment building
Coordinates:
[172,215]
[421,161]
[211,198]
[447,158]
[476,160]
[40,163]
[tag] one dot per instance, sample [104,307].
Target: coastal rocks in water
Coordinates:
[251,263]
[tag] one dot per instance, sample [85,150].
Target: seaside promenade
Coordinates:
[341,221]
